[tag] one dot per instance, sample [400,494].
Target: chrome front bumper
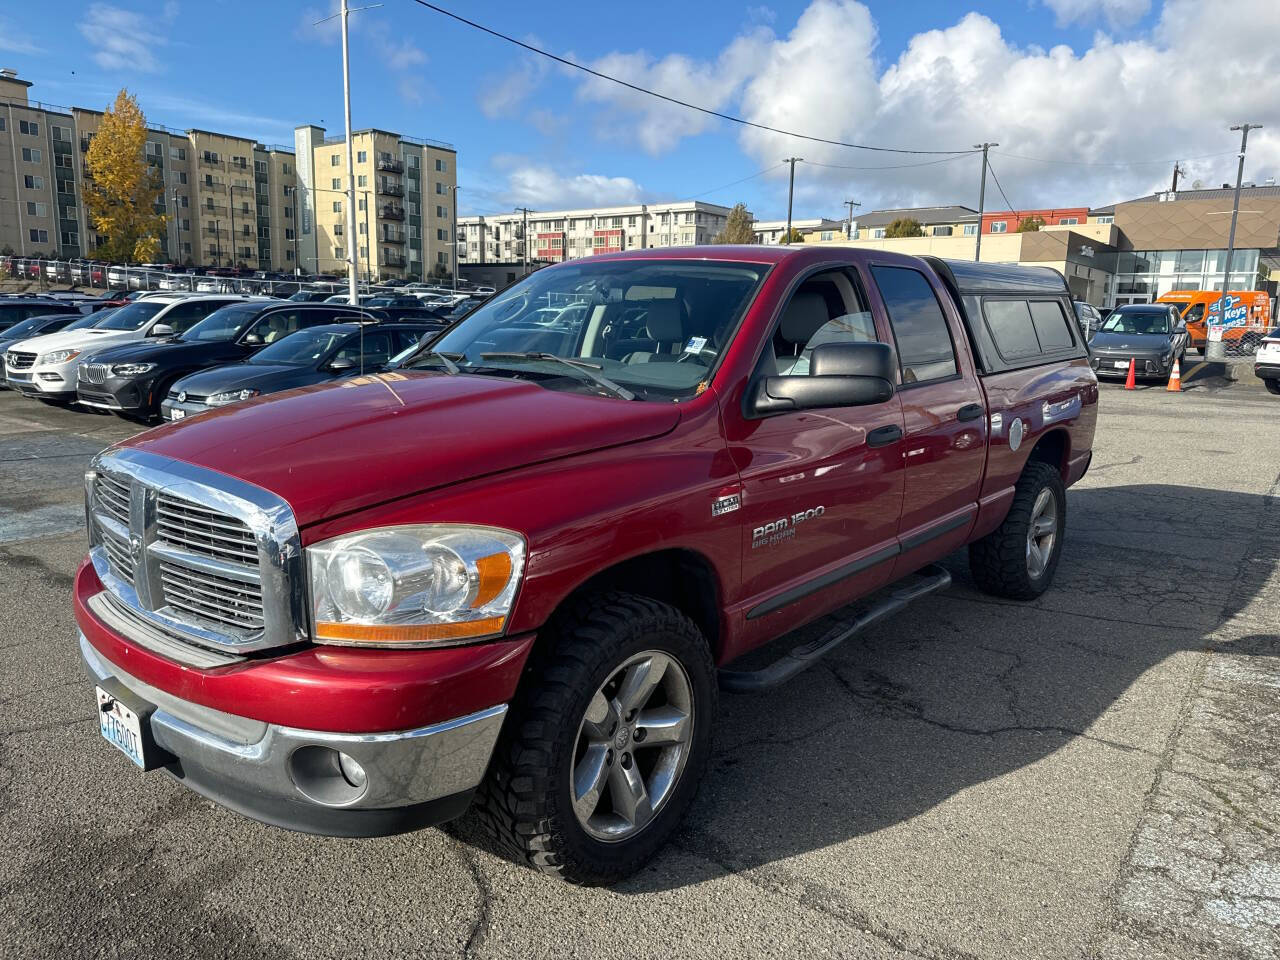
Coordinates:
[292,778]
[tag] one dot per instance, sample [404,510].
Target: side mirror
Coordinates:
[1180,327]
[840,375]
[252,340]
[341,365]
[161,330]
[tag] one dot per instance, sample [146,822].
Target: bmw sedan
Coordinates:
[1152,335]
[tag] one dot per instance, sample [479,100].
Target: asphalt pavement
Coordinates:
[1094,774]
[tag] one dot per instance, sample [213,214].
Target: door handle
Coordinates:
[883,436]
[970,411]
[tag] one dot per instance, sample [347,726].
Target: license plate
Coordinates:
[177,413]
[121,727]
[1122,364]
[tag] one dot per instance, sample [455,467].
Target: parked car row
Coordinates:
[134,358]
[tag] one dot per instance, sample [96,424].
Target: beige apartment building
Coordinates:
[232,201]
[406,189]
[559,235]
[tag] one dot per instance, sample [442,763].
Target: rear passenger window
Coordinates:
[925,351]
[1009,323]
[1051,325]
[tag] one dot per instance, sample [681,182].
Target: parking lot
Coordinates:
[1093,774]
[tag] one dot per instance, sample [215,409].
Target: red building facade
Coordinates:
[1012,219]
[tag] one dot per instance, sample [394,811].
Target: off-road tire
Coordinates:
[998,561]
[1273,386]
[523,807]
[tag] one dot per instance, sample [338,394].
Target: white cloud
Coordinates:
[13,40]
[1118,13]
[541,186]
[402,57]
[1144,98]
[126,40]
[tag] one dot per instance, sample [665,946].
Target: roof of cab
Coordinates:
[975,278]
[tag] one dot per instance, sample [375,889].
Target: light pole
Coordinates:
[368,239]
[453,233]
[982,197]
[351,165]
[231,202]
[524,239]
[1216,350]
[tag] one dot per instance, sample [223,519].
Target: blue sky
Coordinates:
[1083,86]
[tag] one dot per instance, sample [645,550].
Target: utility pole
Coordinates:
[982,197]
[1220,350]
[351,166]
[1177,169]
[524,239]
[848,233]
[791,189]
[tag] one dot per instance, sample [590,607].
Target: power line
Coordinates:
[736,182]
[1116,163]
[894,166]
[662,96]
[1009,205]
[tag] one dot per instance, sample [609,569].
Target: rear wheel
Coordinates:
[607,741]
[1273,386]
[1018,559]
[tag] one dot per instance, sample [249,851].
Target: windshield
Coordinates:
[131,317]
[92,320]
[1138,322]
[301,348]
[225,323]
[30,325]
[654,327]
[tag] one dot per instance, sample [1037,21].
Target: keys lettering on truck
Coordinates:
[784,528]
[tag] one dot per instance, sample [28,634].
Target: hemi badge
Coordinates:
[725,504]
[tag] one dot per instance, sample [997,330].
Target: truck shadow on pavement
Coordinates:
[964,688]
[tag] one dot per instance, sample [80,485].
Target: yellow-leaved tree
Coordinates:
[123,191]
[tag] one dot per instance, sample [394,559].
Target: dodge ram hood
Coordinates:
[341,446]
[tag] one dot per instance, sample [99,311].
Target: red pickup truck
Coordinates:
[512,573]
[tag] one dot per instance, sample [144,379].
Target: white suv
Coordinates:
[46,366]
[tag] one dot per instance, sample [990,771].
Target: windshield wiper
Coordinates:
[583,367]
[446,359]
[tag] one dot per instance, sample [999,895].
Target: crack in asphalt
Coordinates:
[37,727]
[479,926]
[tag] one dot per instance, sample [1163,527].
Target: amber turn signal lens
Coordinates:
[495,571]
[394,635]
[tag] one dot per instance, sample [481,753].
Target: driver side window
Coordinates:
[828,307]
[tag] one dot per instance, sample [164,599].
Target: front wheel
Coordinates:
[607,741]
[1273,386]
[1018,559]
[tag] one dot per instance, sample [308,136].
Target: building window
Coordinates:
[942,231]
[830,234]
[877,233]
[999,226]
[288,233]
[442,234]
[177,153]
[31,155]
[70,238]
[39,236]
[360,204]
[362,180]
[441,165]
[339,253]
[284,168]
[362,156]
[337,229]
[439,187]
[1105,220]
[63,160]
[60,134]
[337,206]
[334,159]
[336,183]
[288,213]
[153,149]
[210,157]
[2,121]
[970,229]
[29,127]
[186,226]
[1069,221]
[37,210]
[33,183]
[362,228]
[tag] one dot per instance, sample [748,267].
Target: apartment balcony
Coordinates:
[208,161]
[213,210]
[390,189]
[211,232]
[392,236]
[215,186]
[391,212]
[391,166]
[391,260]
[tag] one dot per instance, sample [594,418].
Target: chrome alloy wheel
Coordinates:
[1042,531]
[632,746]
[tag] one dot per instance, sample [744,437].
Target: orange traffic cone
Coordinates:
[1130,382]
[1175,379]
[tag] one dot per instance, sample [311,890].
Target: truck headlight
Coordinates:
[58,356]
[231,396]
[420,585]
[131,369]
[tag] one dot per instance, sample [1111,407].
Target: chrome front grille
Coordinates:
[212,559]
[20,360]
[92,372]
